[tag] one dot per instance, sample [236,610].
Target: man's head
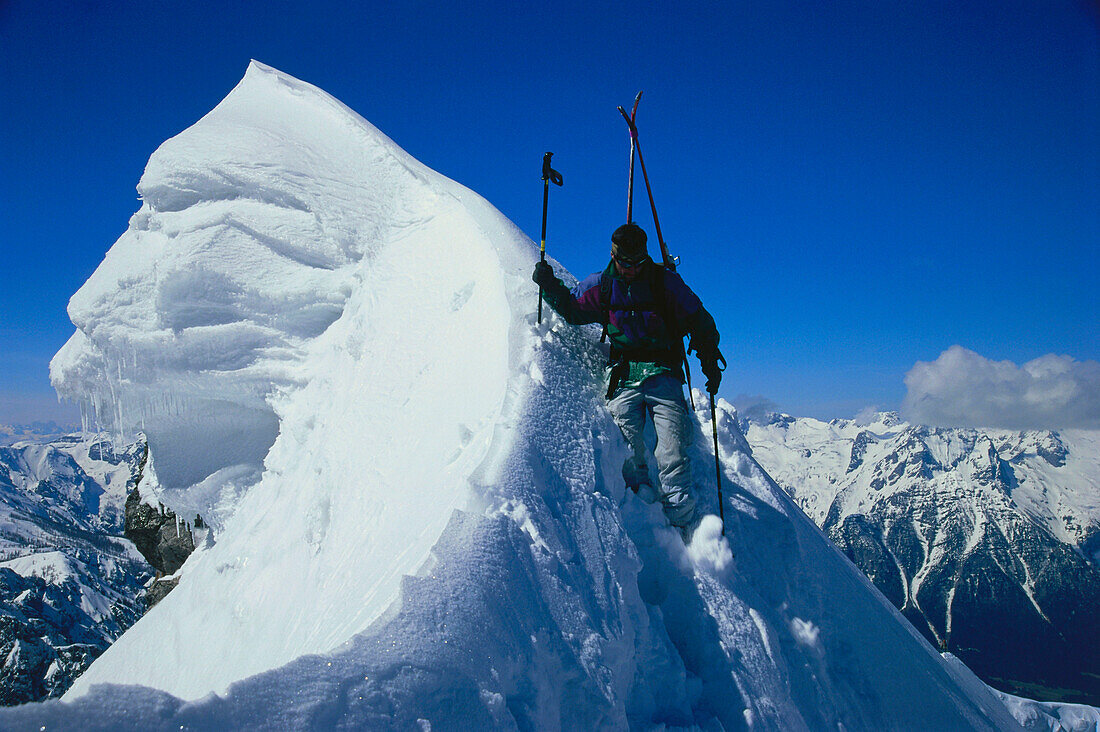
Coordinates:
[628,250]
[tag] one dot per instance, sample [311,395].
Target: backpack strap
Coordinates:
[605,302]
[657,287]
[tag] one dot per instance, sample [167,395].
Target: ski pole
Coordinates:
[670,262]
[548,175]
[717,464]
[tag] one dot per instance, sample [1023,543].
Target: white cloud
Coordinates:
[964,389]
[867,415]
[755,406]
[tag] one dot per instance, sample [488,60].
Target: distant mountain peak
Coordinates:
[924,511]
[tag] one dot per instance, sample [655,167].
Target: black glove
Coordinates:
[544,275]
[711,370]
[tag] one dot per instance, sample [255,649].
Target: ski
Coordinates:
[633,138]
[635,148]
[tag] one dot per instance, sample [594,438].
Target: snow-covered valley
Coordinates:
[987,540]
[416,510]
[70,584]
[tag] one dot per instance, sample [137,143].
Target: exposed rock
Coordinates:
[1051,449]
[159,589]
[162,538]
[859,449]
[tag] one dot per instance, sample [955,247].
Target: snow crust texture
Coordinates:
[418,519]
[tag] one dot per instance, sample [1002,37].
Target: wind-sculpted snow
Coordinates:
[417,504]
[295,300]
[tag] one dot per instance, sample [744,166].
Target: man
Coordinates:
[647,310]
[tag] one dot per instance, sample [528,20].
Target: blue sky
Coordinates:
[852,187]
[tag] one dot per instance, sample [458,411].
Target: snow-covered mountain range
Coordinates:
[987,540]
[41,431]
[414,488]
[69,583]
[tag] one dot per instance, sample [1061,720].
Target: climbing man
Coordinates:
[647,310]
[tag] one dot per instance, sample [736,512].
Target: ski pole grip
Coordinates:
[549,173]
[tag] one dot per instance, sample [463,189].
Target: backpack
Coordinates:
[656,287]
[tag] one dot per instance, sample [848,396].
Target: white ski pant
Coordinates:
[661,397]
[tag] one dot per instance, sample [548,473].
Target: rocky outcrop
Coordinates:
[859,449]
[162,538]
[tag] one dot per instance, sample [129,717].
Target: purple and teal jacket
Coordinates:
[646,318]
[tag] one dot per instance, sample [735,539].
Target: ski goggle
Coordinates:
[628,263]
